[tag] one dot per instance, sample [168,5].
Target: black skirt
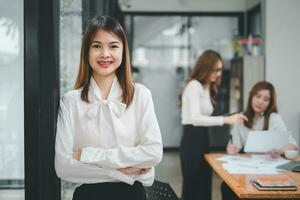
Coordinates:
[110,191]
[196,172]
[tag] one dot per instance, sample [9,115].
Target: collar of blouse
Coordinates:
[113,103]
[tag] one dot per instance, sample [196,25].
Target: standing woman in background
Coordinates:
[108,139]
[198,101]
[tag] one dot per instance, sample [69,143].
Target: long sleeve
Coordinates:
[276,123]
[195,100]
[147,153]
[239,135]
[70,169]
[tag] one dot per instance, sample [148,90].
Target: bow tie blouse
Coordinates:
[109,134]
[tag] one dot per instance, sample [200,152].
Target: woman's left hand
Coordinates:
[77,154]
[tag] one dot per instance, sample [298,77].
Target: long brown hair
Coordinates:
[262,85]
[85,71]
[202,70]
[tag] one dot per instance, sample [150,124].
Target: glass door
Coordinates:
[11,101]
[165,49]
[161,60]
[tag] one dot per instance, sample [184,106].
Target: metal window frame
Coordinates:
[41,97]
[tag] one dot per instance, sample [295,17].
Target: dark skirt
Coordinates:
[110,191]
[197,177]
[227,193]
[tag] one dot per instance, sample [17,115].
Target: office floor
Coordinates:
[167,171]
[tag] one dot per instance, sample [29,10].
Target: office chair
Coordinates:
[160,191]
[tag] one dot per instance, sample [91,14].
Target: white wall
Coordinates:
[183,5]
[282,57]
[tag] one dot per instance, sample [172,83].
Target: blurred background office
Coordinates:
[39,48]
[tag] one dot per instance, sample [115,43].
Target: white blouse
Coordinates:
[197,106]
[240,132]
[110,136]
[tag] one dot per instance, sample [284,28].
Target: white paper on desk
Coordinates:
[260,156]
[234,158]
[256,164]
[237,169]
[266,160]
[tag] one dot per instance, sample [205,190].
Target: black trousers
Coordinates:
[110,191]
[197,175]
[227,193]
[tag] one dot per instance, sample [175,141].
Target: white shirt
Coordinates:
[197,106]
[240,131]
[110,136]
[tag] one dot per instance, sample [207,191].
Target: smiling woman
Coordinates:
[108,138]
[105,56]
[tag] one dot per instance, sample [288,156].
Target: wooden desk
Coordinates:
[240,183]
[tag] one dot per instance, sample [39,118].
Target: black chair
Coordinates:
[160,191]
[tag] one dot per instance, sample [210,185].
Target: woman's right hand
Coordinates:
[235,119]
[232,149]
[134,170]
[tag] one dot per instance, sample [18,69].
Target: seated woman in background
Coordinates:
[262,114]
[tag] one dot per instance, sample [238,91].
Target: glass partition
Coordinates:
[70,42]
[11,100]
[165,49]
[161,61]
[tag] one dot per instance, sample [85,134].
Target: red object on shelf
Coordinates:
[255,41]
